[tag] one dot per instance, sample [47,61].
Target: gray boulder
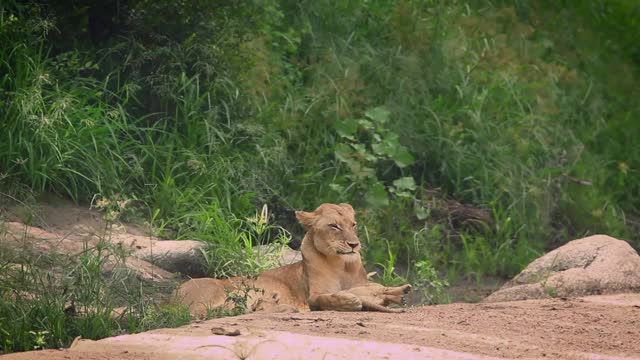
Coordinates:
[278,255]
[177,256]
[185,256]
[597,264]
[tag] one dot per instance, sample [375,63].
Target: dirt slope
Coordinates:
[600,327]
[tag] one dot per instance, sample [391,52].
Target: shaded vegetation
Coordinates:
[470,136]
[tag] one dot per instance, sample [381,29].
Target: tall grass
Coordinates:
[78,136]
[524,110]
[494,109]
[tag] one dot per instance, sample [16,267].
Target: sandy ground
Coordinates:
[599,327]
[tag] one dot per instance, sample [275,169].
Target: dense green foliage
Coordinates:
[202,111]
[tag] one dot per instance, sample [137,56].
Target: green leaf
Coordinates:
[347,128]
[405,183]
[392,138]
[378,114]
[388,147]
[376,196]
[404,194]
[337,188]
[382,148]
[402,157]
[360,149]
[370,157]
[365,124]
[343,152]
[421,213]
[360,171]
[362,153]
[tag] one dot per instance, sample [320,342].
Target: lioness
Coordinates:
[329,277]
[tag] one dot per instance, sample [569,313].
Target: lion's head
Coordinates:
[333,230]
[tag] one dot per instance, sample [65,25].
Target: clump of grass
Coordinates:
[47,300]
[429,282]
[253,247]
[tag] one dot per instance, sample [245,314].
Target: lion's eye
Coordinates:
[334,226]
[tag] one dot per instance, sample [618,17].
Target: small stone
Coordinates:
[225,332]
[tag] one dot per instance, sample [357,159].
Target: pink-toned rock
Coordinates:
[178,256]
[21,238]
[597,264]
[152,258]
[601,327]
[281,255]
[185,256]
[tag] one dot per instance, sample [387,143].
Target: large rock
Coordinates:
[596,264]
[33,241]
[64,228]
[185,256]
[178,256]
[280,255]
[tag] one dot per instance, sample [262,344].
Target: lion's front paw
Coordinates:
[398,290]
[375,296]
[396,295]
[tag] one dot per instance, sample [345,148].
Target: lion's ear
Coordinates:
[306,218]
[348,207]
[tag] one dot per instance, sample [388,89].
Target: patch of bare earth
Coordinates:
[580,328]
